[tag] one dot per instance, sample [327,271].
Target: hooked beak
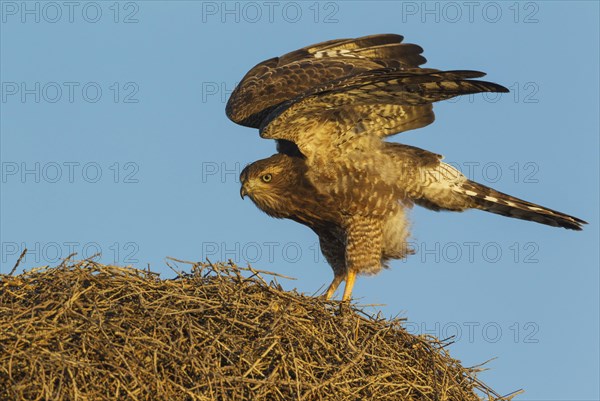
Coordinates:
[243,191]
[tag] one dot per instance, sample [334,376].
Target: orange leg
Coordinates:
[350,278]
[337,279]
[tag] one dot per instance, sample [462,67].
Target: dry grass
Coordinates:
[86,331]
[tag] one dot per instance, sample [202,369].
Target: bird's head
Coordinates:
[270,182]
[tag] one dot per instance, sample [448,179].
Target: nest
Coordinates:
[86,331]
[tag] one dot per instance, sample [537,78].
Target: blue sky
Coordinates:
[114,139]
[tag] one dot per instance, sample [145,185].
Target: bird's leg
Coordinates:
[337,279]
[350,278]
[364,247]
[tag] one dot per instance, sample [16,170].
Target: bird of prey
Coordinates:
[329,107]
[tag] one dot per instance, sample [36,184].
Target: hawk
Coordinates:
[329,106]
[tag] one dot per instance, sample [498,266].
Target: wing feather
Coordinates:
[280,79]
[377,103]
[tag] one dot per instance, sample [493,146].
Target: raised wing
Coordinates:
[373,103]
[280,79]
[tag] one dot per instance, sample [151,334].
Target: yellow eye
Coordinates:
[267,177]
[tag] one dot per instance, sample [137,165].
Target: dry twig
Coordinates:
[83,330]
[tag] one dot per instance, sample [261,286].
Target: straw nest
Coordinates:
[86,331]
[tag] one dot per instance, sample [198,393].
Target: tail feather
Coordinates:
[490,200]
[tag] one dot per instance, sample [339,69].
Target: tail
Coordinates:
[485,198]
